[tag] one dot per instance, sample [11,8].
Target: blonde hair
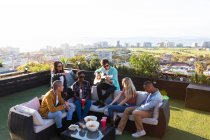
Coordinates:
[128,86]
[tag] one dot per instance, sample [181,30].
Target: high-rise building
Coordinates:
[169,44]
[194,45]
[67,51]
[179,45]
[138,45]
[206,44]
[161,44]
[118,44]
[147,44]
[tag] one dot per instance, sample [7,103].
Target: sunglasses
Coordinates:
[105,66]
[81,76]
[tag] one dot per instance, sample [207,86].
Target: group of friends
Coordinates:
[66,95]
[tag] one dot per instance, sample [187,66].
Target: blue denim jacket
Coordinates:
[151,101]
[114,72]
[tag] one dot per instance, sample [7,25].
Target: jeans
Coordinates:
[116,108]
[71,111]
[103,86]
[57,116]
[82,113]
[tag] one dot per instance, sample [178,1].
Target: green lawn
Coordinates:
[185,124]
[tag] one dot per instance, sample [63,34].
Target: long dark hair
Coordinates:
[55,69]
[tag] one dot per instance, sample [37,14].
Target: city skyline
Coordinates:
[34,25]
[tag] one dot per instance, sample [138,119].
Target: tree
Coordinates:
[95,63]
[64,60]
[145,64]
[79,62]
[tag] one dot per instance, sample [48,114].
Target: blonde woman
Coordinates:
[129,98]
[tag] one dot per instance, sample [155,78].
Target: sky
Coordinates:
[33,24]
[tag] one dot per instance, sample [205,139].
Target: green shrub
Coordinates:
[64,61]
[35,67]
[94,63]
[145,65]
[200,79]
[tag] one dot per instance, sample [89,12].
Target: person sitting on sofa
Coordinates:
[145,110]
[58,73]
[53,105]
[109,82]
[82,90]
[129,98]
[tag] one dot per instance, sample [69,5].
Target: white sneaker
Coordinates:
[117,132]
[139,134]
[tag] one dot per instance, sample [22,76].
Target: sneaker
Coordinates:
[117,132]
[139,134]
[96,103]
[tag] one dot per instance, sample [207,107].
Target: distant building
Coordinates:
[102,44]
[127,45]
[206,44]
[105,55]
[147,44]
[194,45]
[179,45]
[10,51]
[67,51]
[49,48]
[161,44]
[138,45]
[118,44]
[169,44]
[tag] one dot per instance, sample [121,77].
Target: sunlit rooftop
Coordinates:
[184,123]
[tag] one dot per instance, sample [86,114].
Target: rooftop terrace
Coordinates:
[185,123]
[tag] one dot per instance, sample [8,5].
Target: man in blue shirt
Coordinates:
[109,82]
[145,110]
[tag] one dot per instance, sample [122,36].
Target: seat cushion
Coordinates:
[37,119]
[141,96]
[94,95]
[34,104]
[47,123]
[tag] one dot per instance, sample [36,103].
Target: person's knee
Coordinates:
[72,106]
[135,113]
[127,111]
[59,114]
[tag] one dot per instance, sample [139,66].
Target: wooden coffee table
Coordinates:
[106,133]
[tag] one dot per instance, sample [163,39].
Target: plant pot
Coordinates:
[198,97]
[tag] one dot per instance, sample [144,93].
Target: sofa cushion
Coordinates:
[156,111]
[34,104]
[37,119]
[47,123]
[141,96]
[94,95]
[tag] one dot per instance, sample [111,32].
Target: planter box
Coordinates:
[198,97]
[23,82]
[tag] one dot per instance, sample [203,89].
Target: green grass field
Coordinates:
[185,123]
